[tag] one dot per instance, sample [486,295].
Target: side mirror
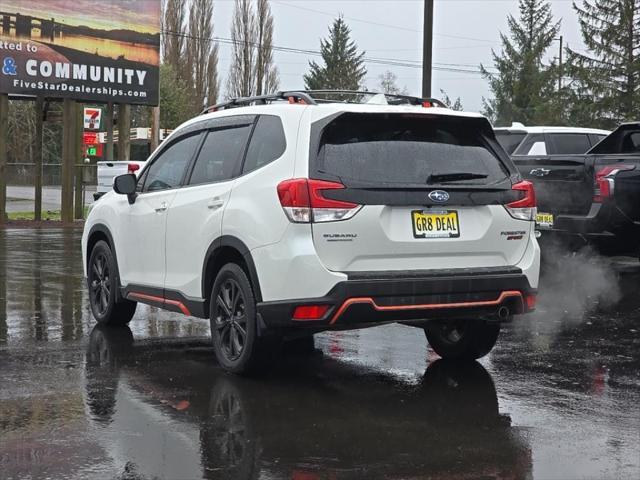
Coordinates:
[126,185]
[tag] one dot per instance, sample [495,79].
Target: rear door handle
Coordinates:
[162,207]
[214,203]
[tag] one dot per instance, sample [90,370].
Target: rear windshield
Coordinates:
[407,149]
[510,140]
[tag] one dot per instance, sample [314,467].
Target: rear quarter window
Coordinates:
[509,140]
[406,150]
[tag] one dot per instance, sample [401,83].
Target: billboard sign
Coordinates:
[94,51]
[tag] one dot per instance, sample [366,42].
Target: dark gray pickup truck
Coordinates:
[592,196]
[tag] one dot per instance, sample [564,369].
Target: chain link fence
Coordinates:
[24,174]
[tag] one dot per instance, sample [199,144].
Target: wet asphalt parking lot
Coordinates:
[559,397]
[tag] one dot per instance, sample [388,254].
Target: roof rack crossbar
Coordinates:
[298,96]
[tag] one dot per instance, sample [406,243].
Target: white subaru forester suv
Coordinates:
[285,215]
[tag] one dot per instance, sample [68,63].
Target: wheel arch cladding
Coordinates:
[99,232]
[223,250]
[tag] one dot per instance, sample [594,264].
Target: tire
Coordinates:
[462,339]
[103,282]
[234,329]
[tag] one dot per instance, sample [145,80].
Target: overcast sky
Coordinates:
[465,33]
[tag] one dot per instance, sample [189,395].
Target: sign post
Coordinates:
[68,159]
[4,129]
[37,151]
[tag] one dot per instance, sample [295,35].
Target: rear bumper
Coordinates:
[371,298]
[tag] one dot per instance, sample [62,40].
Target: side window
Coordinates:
[168,169]
[538,148]
[220,155]
[595,139]
[534,144]
[267,143]
[141,180]
[631,143]
[568,143]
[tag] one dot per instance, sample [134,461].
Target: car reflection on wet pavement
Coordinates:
[558,399]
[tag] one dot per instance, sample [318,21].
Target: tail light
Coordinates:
[605,181]
[530,301]
[133,168]
[303,201]
[525,208]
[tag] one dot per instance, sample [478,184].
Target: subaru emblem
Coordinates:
[438,196]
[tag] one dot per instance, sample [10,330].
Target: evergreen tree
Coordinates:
[343,67]
[523,87]
[175,106]
[606,79]
[452,104]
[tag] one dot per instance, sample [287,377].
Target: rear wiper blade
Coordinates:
[454,177]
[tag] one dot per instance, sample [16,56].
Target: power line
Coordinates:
[380,24]
[456,68]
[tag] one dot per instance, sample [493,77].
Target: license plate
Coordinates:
[430,224]
[544,220]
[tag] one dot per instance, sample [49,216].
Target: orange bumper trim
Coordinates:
[428,306]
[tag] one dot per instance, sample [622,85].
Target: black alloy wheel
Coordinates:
[100,284]
[238,345]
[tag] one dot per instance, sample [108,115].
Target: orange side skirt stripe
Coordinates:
[152,298]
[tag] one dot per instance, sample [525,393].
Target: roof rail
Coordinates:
[310,97]
[292,97]
[392,98]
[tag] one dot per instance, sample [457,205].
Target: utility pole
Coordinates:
[427,47]
[560,66]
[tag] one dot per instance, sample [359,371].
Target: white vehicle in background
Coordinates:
[108,171]
[519,139]
[285,215]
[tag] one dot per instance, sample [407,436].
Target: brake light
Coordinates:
[525,207]
[133,168]
[303,202]
[605,181]
[310,312]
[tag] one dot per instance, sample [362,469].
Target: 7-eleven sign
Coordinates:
[92,118]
